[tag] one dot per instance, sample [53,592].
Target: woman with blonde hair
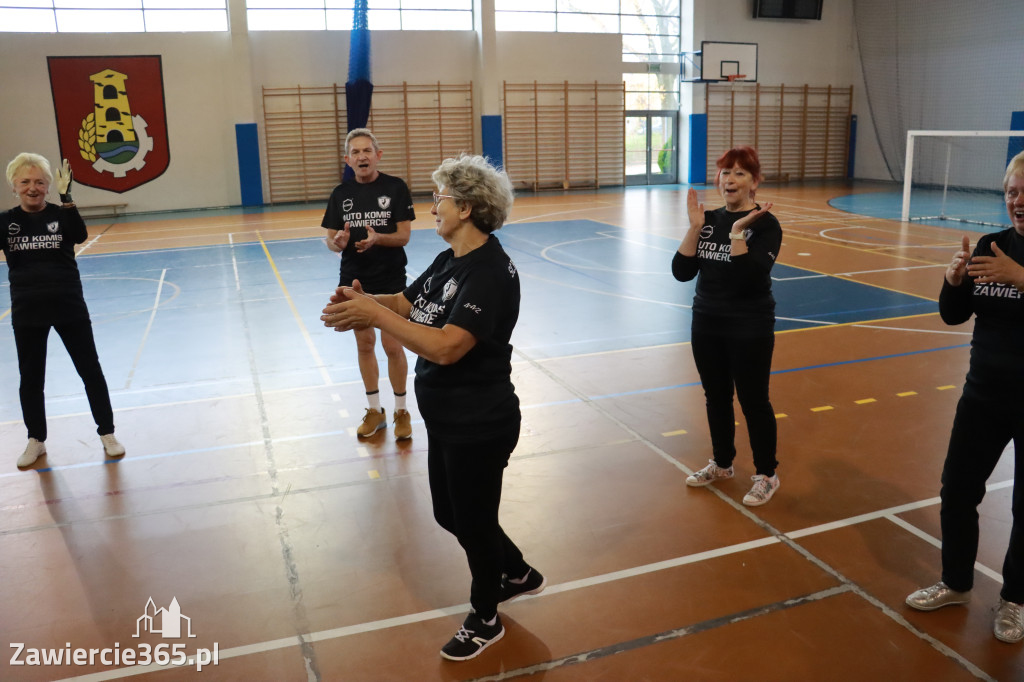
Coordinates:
[38,239]
[989,285]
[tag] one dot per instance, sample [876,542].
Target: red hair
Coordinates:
[745,157]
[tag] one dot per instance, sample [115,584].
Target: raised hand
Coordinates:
[371,239]
[64,181]
[341,238]
[958,266]
[694,210]
[999,268]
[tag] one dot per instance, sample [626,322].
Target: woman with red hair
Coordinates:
[731,251]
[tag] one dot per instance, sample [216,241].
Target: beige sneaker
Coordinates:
[33,451]
[111,446]
[373,421]
[403,425]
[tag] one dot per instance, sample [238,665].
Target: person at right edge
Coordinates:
[731,251]
[989,285]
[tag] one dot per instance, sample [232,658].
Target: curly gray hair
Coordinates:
[474,181]
[28,160]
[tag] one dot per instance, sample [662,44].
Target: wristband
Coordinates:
[737,236]
[66,199]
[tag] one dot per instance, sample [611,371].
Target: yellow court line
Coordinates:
[944,388]
[820,240]
[867,284]
[859,322]
[781,415]
[865,401]
[6,313]
[904,394]
[373,473]
[680,432]
[823,408]
[295,312]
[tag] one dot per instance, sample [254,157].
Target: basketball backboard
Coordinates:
[717,61]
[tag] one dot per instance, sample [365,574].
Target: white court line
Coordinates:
[145,334]
[458,609]
[234,260]
[88,244]
[909,329]
[935,542]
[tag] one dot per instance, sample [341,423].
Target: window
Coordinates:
[650,28]
[113,16]
[382,15]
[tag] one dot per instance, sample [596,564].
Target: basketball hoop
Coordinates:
[735,77]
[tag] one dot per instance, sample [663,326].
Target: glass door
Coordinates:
[651,148]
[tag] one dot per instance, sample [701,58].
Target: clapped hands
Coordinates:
[998,268]
[746,221]
[350,308]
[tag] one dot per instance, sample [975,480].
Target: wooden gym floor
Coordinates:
[303,553]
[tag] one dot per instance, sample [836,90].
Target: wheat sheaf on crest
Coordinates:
[87,138]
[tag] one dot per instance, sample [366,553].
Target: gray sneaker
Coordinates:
[1009,623]
[936,596]
[709,474]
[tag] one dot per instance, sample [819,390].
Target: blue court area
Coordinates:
[206,322]
[986,210]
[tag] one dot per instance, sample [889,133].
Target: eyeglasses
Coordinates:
[438,197]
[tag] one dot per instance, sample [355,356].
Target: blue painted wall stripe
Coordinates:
[490,134]
[1016,144]
[250,178]
[698,174]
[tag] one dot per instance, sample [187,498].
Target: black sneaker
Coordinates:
[532,583]
[473,637]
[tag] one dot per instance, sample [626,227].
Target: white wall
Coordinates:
[212,81]
[797,52]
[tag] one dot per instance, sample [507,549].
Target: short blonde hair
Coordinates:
[28,160]
[361,132]
[473,180]
[1015,167]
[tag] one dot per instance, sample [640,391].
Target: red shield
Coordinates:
[111,120]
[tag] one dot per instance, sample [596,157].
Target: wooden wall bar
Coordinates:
[417,126]
[800,132]
[564,135]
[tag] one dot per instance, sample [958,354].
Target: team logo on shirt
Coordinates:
[384,202]
[13,229]
[449,289]
[705,232]
[346,205]
[111,119]
[53,227]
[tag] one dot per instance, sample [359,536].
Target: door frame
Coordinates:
[650,177]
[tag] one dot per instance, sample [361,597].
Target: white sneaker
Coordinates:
[111,446]
[33,451]
[709,474]
[764,488]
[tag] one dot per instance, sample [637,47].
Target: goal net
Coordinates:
[957,176]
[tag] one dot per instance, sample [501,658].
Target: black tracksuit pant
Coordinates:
[981,431]
[79,342]
[746,363]
[465,486]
